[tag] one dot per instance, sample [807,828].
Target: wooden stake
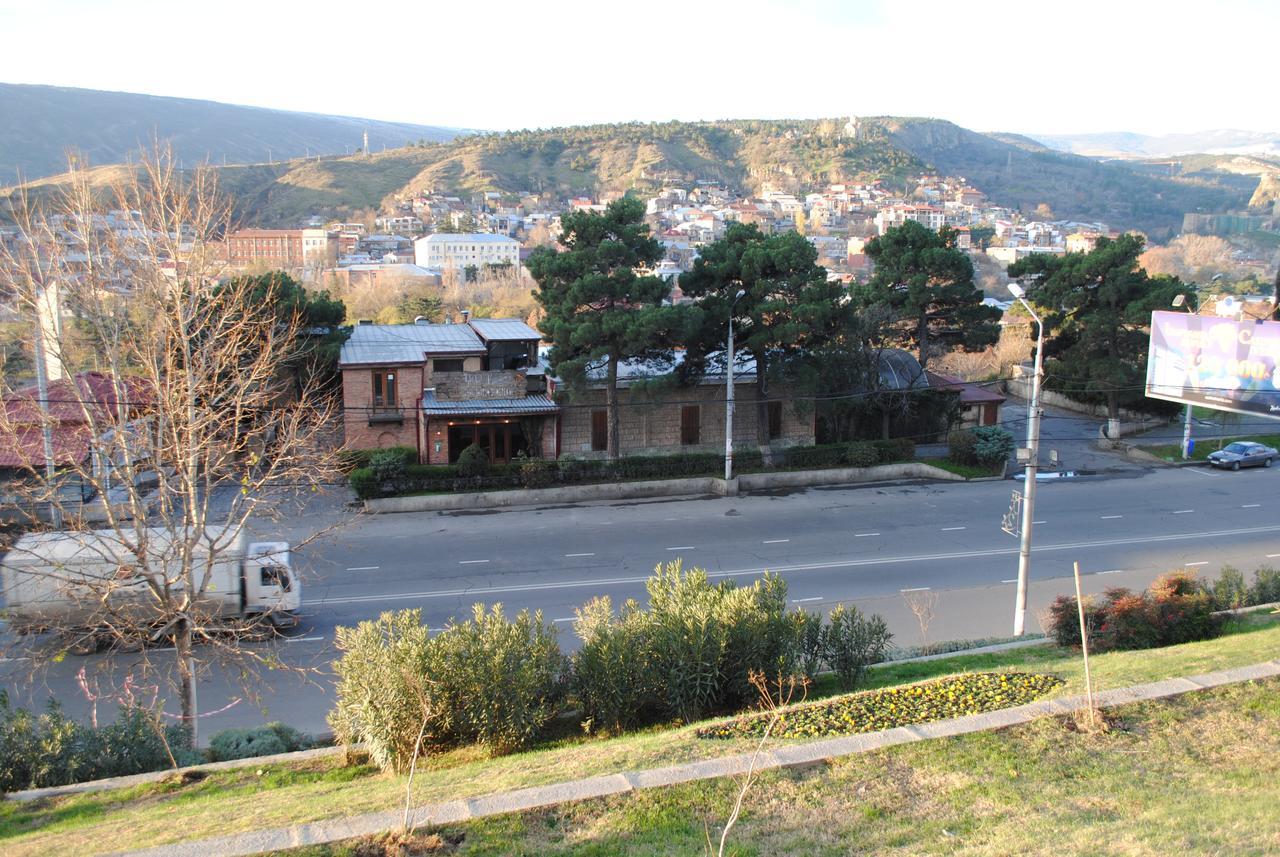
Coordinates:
[1084,646]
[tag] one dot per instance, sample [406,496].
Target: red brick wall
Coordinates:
[357,396]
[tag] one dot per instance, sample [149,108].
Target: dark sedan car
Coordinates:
[1242,453]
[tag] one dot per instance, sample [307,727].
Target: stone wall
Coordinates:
[497,384]
[650,421]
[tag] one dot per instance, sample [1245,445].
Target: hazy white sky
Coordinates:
[1152,66]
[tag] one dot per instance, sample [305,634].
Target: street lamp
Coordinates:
[1029,477]
[728,400]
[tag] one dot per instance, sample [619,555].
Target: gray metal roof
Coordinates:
[503,329]
[473,237]
[407,343]
[431,406]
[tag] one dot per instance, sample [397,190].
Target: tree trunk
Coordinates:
[762,412]
[182,645]
[611,406]
[922,340]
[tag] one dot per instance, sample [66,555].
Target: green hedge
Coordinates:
[353,459]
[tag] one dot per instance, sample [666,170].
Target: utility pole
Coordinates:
[42,395]
[728,400]
[1029,478]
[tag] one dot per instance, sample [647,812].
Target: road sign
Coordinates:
[1012,523]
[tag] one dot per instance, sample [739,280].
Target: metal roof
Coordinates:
[473,237]
[431,406]
[407,343]
[503,329]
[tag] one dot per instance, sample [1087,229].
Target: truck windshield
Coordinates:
[274,575]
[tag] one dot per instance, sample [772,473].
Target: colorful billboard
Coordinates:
[1216,362]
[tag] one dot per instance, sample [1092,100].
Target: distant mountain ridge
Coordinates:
[40,124]
[793,155]
[1126,144]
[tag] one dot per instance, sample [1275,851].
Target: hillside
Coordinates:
[795,155]
[38,124]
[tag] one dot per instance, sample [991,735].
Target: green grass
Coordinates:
[1204,446]
[231,801]
[968,471]
[1193,775]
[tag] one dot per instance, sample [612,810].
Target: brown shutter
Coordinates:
[599,430]
[689,418]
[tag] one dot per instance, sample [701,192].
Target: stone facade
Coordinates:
[366,428]
[498,384]
[651,422]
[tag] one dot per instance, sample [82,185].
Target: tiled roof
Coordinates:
[431,406]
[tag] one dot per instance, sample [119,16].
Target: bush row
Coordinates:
[982,446]
[859,453]
[498,682]
[1177,608]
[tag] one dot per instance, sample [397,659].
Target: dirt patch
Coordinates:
[415,844]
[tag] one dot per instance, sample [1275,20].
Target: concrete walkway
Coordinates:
[320,832]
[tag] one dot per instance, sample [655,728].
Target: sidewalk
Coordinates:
[520,800]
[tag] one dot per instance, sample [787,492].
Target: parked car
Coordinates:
[1243,453]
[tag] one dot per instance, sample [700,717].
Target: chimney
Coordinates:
[466,316]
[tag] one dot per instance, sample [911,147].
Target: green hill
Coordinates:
[798,155]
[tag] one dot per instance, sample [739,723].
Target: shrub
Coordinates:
[382,686]
[352,459]
[686,640]
[862,455]
[1229,590]
[810,641]
[1175,609]
[537,472]
[1128,622]
[961,447]
[895,449]
[364,484]
[827,455]
[992,445]
[854,642]
[262,741]
[1266,586]
[759,637]
[500,680]
[50,749]
[473,462]
[388,466]
[1064,620]
[609,674]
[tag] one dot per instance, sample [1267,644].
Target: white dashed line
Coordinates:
[1193,564]
[806,600]
[949,529]
[1183,511]
[682,548]
[1010,580]
[568,619]
[1250,505]
[1112,571]
[364,568]
[302,639]
[915,589]
[1039,522]
[1111,517]
[864,535]
[774,541]
[471,561]
[579,554]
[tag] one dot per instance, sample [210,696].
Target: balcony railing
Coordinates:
[385,414]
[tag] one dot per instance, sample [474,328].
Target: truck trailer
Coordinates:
[87,584]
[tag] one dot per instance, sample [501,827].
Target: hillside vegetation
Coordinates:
[794,155]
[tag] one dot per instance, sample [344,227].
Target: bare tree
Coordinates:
[923,604]
[190,427]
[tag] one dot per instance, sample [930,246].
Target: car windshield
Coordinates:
[1237,448]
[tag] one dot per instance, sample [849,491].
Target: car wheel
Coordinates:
[1266,462]
[1235,465]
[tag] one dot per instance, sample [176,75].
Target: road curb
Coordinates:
[317,833]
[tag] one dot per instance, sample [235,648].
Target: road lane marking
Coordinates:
[915,589]
[1250,505]
[1193,564]
[567,619]
[471,561]
[682,548]
[1183,511]
[949,529]
[364,568]
[1112,571]
[302,639]
[1272,555]
[817,566]
[1111,517]
[774,541]
[1039,522]
[806,600]
[579,554]
[1010,580]
[864,535]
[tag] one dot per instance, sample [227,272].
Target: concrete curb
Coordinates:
[691,487]
[318,833]
[322,752]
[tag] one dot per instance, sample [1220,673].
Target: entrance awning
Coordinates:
[525,406]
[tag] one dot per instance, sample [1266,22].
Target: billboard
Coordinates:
[1216,362]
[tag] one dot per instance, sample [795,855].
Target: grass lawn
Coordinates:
[1204,446]
[968,471]
[250,798]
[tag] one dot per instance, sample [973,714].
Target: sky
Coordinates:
[1025,66]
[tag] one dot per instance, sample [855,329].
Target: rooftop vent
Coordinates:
[365,321]
[466,316]
[420,319]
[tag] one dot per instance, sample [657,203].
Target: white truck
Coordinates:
[86,585]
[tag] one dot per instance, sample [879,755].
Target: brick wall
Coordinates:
[357,397]
[650,423]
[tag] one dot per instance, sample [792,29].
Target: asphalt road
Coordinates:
[870,545]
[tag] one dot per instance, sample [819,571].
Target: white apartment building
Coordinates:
[457,250]
[896,215]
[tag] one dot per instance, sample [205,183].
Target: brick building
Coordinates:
[281,248]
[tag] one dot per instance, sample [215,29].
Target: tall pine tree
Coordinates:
[599,307]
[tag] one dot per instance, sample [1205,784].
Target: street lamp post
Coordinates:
[728,399]
[1029,477]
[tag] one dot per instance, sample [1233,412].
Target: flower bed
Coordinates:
[874,710]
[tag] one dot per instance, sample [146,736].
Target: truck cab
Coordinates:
[271,586]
